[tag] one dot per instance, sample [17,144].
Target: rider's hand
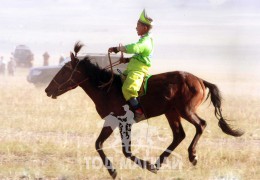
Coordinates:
[113,49]
[124,60]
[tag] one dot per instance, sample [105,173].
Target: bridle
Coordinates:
[75,70]
[70,79]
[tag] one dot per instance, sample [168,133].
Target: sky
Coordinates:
[225,32]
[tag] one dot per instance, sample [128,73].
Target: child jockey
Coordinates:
[138,65]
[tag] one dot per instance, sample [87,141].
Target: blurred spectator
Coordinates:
[46,57]
[61,59]
[2,66]
[11,66]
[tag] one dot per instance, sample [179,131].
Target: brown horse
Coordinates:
[175,94]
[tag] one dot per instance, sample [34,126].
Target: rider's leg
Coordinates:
[138,111]
[130,90]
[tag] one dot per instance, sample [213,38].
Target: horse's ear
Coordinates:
[72,57]
[74,60]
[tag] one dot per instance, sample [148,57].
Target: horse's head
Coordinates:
[69,77]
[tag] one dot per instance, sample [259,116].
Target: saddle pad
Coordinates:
[144,86]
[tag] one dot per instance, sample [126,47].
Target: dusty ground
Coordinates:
[42,138]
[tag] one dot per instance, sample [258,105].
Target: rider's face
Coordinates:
[141,29]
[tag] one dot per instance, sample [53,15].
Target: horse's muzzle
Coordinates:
[49,93]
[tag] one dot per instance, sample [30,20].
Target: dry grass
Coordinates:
[43,138]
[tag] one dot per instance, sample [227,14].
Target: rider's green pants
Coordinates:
[135,73]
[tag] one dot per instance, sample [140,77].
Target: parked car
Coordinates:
[23,56]
[44,74]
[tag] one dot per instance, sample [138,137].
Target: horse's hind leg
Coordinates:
[178,135]
[105,133]
[125,131]
[200,125]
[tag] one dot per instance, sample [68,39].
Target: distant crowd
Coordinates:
[10,65]
[46,57]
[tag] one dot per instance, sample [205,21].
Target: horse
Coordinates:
[175,94]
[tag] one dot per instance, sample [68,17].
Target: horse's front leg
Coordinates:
[125,132]
[105,133]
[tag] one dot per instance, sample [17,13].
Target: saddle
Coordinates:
[144,86]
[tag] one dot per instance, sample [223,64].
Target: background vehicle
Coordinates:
[44,74]
[23,56]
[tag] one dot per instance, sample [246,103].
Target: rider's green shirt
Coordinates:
[142,50]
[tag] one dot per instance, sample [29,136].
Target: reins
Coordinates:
[112,75]
[111,65]
[114,63]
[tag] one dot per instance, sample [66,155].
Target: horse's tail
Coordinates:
[77,47]
[215,95]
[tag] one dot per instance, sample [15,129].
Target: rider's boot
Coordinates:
[138,111]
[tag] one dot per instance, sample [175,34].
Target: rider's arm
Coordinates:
[117,49]
[143,45]
[134,48]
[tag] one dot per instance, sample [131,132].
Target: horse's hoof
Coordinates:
[113,174]
[152,168]
[194,161]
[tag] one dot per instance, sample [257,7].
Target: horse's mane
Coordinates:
[97,75]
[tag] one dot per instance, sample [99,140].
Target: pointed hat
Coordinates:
[145,19]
